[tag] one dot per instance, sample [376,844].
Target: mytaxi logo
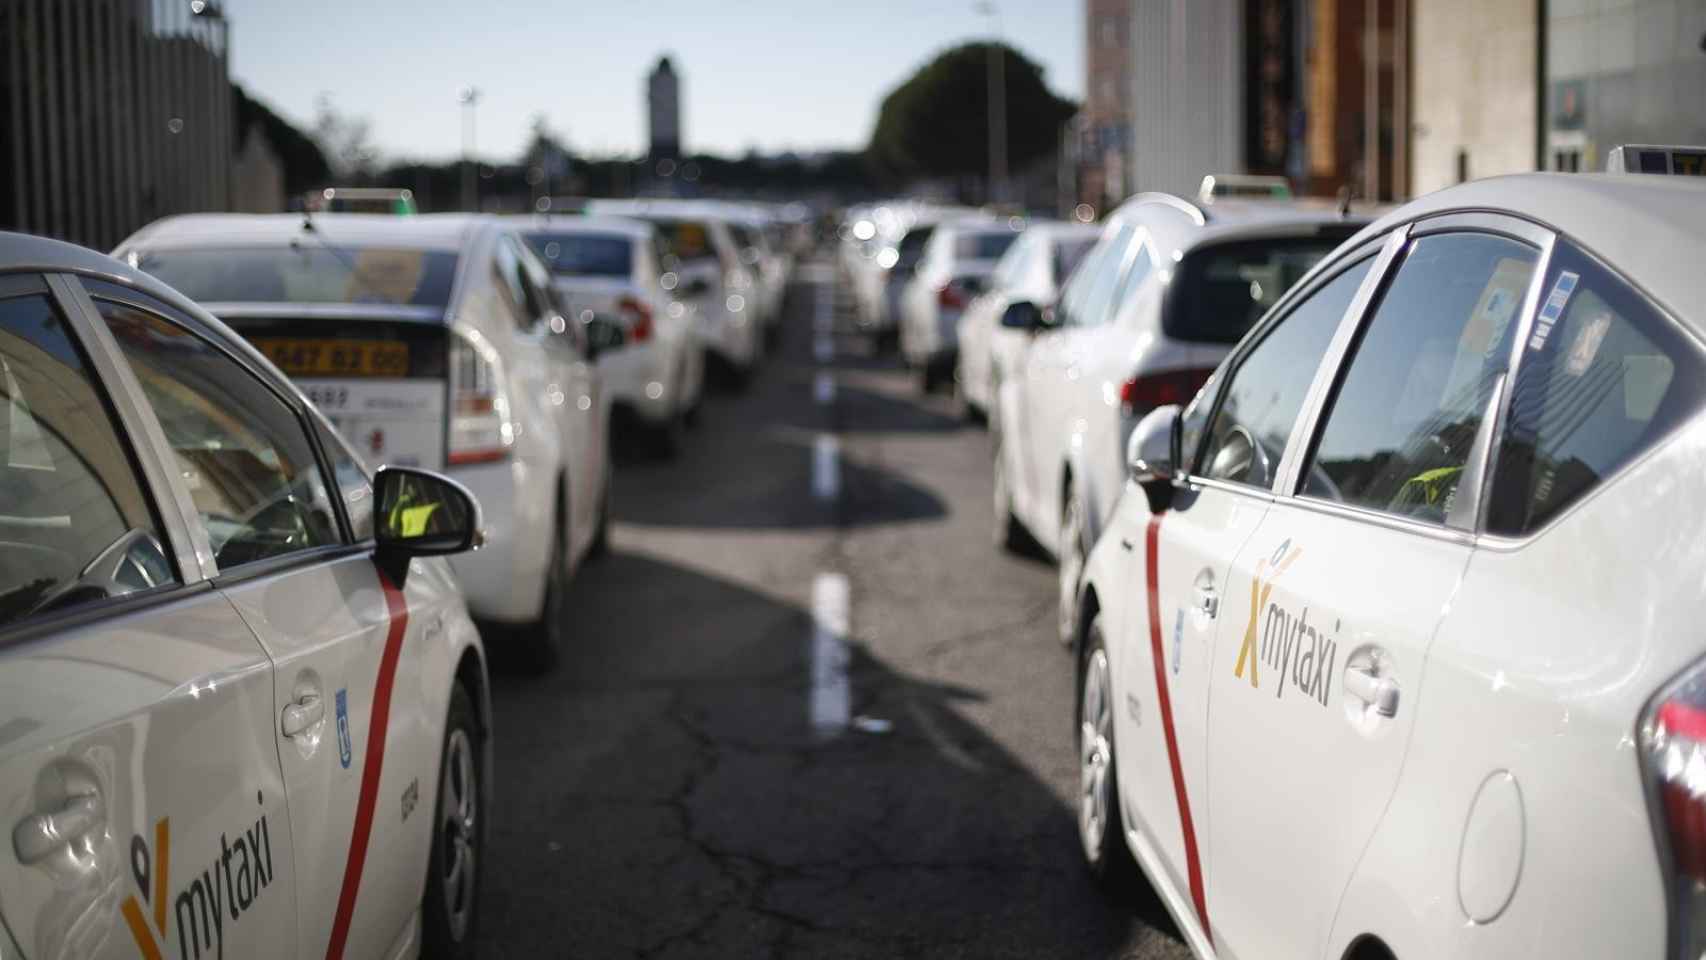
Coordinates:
[1284,640]
[240,872]
[1282,558]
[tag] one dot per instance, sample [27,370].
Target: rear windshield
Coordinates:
[1067,253]
[307,272]
[1222,290]
[584,254]
[687,241]
[912,244]
[989,245]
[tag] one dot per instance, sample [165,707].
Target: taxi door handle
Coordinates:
[37,837]
[1208,601]
[1380,693]
[308,710]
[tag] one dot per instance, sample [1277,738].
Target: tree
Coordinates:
[304,164]
[346,140]
[936,124]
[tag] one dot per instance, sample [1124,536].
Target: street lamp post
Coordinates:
[469,98]
[997,104]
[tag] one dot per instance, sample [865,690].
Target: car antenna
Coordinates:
[1344,201]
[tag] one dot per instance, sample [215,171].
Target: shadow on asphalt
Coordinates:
[662,794]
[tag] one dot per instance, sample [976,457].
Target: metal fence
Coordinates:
[113,113]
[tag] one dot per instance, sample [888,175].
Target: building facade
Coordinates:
[1104,124]
[113,113]
[663,106]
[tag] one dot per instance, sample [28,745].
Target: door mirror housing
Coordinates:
[1152,455]
[603,334]
[1024,315]
[418,513]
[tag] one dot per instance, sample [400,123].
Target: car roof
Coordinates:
[1647,227]
[664,207]
[1228,218]
[449,232]
[582,223]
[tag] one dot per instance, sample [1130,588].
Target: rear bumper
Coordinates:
[504,580]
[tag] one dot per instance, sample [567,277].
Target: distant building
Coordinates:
[94,146]
[1104,124]
[663,103]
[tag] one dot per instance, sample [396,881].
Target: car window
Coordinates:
[1136,272]
[983,244]
[1602,378]
[1010,269]
[518,288]
[312,271]
[243,454]
[1067,253]
[1412,395]
[584,254]
[1250,429]
[1219,292]
[355,485]
[1097,302]
[75,524]
[1080,280]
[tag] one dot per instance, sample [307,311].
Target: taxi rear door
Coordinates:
[144,811]
[1313,692]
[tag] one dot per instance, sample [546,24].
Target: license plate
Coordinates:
[337,358]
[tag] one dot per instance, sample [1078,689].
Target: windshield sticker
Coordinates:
[1498,304]
[1553,308]
[1300,651]
[1587,345]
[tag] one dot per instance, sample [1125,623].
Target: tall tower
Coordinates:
[663,101]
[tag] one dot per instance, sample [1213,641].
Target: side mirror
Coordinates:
[603,334]
[1023,315]
[1152,455]
[418,513]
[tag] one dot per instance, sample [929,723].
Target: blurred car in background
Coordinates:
[1167,290]
[763,263]
[953,266]
[602,265]
[430,341]
[1032,271]
[213,623]
[702,266]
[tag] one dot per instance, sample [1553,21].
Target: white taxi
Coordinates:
[431,341]
[243,709]
[1393,645]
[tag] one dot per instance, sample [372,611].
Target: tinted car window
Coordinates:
[1221,291]
[1098,298]
[1602,378]
[306,272]
[1412,396]
[75,525]
[584,254]
[241,451]
[1067,253]
[683,241]
[1251,428]
[911,247]
[984,245]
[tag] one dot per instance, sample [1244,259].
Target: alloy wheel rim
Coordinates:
[1095,756]
[459,805]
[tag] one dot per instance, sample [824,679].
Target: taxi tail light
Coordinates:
[480,428]
[637,316]
[1141,394]
[1673,754]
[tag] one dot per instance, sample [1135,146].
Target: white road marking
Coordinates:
[826,467]
[823,324]
[823,387]
[831,701]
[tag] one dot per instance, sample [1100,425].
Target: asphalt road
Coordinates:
[809,710]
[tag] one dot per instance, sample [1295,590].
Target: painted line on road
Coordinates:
[823,388]
[826,467]
[823,324]
[831,698]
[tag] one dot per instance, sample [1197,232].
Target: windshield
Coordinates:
[306,272]
[584,254]
[984,245]
[1222,290]
[684,241]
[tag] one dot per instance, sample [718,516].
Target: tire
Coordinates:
[601,536]
[929,377]
[1008,535]
[1071,554]
[542,641]
[450,911]
[663,440]
[886,341]
[1101,828]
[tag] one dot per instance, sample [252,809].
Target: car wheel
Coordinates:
[450,910]
[601,536]
[1101,829]
[886,341]
[1008,535]
[664,439]
[544,641]
[1071,566]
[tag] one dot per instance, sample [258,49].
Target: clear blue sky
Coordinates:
[771,74]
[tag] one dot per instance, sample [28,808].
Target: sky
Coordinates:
[767,74]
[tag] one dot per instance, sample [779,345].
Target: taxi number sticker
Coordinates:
[1553,308]
[337,358]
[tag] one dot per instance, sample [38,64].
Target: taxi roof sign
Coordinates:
[1649,158]
[1243,186]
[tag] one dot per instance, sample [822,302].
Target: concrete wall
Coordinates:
[1472,89]
[1187,93]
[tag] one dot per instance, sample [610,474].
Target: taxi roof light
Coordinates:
[1683,161]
